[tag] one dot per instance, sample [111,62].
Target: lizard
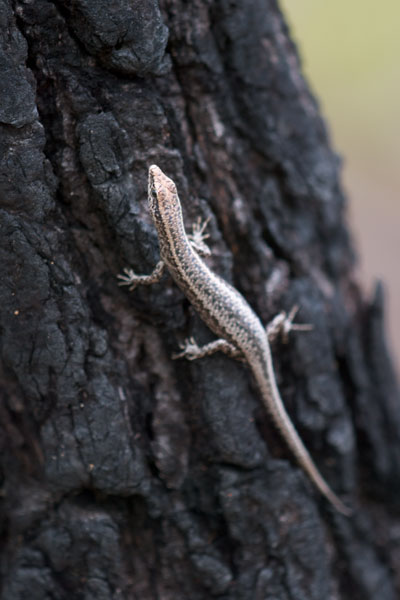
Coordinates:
[225,311]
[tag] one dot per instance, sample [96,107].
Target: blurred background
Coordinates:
[350,53]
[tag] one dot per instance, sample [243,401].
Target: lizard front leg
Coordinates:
[197,237]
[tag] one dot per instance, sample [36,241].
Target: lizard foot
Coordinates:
[198,236]
[283,324]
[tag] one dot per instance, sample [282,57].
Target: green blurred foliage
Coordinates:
[350,53]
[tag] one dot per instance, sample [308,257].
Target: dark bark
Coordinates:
[126,474]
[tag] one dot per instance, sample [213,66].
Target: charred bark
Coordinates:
[126,474]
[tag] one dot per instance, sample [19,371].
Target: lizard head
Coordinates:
[163,197]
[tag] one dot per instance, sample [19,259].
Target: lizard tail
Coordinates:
[273,402]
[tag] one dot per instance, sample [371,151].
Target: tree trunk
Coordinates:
[126,474]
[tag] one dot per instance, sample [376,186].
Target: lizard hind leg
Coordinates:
[283,324]
[130,278]
[192,351]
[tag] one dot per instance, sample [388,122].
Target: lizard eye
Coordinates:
[152,195]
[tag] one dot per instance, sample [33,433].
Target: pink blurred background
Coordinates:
[351,57]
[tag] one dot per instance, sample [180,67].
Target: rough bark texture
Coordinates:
[126,474]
